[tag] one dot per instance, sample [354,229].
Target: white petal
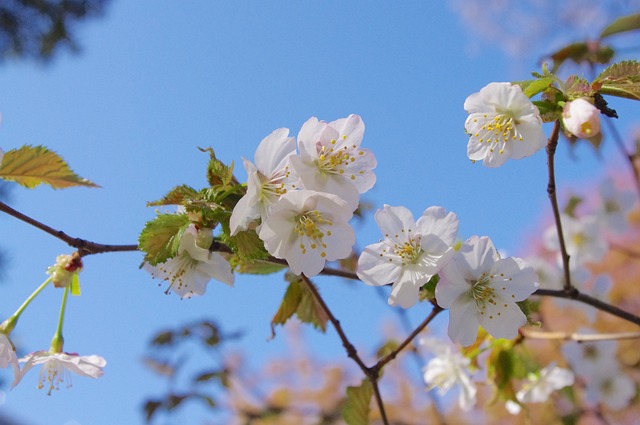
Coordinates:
[463,321]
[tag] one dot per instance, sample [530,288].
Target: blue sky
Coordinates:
[156,80]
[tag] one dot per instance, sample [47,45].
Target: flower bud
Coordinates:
[581,118]
[63,270]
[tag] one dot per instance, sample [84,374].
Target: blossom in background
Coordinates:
[581,118]
[56,368]
[308,228]
[539,386]
[267,180]
[582,239]
[614,390]
[502,123]
[8,355]
[480,289]
[614,206]
[447,370]
[192,268]
[331,160]
[410,253]
[590,359]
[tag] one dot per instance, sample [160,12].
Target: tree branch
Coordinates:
[567,336]
[551,191]
[83,246]
[574,294]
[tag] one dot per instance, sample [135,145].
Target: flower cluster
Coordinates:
[300,202]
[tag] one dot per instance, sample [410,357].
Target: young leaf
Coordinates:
[300,301]
[623,24]
[31,166]
[176,196]
[620,79]
[160,238]
[532,88]
[356,409]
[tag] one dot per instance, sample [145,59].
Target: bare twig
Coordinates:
[83,246]
[574,294]
[568,336]
[551,191]
[630,157]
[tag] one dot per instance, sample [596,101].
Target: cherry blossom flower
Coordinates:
[308,228]
[480,289]
[614,390]
[56,367]
[503,123]
[581,118]
[540,386]
[268,179]
[615,206]
[8,355]
[331,160]
[411,252]
[447,370]
[592,359]
[582,239]
[193,267]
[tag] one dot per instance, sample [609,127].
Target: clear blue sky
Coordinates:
[157,79]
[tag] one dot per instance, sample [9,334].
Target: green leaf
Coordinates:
[622,24]
[218,173]
[248,246]
[620,79]
[356,409]
[31,166]
[160,238]
[176,196]
[582,52]
[387,348]
[288,307]
[533,87]
[299,300]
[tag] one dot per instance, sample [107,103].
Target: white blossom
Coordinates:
[614,206]
[410,252]
[308,228]
[193,267]
[539,386]
[614,390]
[447,370]
[582,238]
[8,355]
[331,160]
[581,118]
[56,367]
[502,123]
[480,289]
[267,180]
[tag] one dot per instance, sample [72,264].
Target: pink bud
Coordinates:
[581,118]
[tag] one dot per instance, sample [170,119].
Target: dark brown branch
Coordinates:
[84,247]
[624,250]
[551,191]
[392,355]
[574,294]
[352,353]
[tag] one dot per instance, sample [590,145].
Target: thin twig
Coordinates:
[352,353]
[392,355]
[624,250]
[568,336]
[551,191]
[623,150]
[574,294]
[84,247]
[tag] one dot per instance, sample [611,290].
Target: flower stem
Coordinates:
[8,325]
[58,340]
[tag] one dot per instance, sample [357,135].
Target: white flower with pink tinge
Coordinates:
[56,367]
[502,123]
[331,160]
[481,289]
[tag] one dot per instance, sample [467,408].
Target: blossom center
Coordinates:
[335,160]
[409,252]
[276,186]
[310,226]
[501,128]
[55,374]
[611,206]
[482,293]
